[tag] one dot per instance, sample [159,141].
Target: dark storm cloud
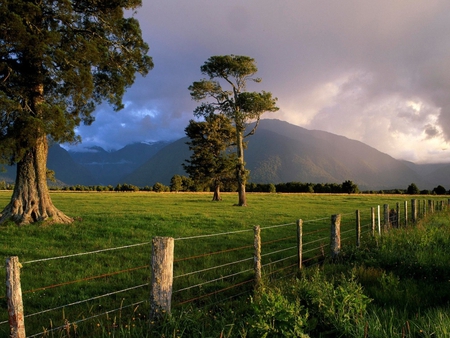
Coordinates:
[376,71]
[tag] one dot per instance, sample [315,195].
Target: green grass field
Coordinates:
[110,220]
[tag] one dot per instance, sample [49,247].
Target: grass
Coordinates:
[108,220]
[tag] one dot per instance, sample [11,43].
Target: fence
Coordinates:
[177,274]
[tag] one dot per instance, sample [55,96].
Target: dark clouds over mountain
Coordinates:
[373,71]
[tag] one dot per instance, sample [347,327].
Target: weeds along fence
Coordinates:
[139,282]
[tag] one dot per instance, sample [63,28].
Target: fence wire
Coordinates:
[400,218]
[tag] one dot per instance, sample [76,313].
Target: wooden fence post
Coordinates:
[430,206]
[386,217]
[379,220]
[14,298]
[299,242]
[257,255]
[358,229]
[335,242]
[372,218]
[406,213]
[162,276]
[397,220]
[414,210]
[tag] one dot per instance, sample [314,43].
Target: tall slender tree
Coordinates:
[211,161]
[237,104]
[59,59]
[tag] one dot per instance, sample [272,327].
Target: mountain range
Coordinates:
[278,152]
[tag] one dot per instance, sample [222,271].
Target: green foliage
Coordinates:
[176,183]
[412,189]
[211,162]
[349,187]
[439,190]
[59,60]
[277,316]
[159,187]
[235,103]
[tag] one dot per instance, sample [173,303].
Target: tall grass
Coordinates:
[108,220]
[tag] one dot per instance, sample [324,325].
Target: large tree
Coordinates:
[234,102]
[211,161]
[59,59]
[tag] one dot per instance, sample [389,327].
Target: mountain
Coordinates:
[282,152]
[109,168]
[67,171]
[278,152]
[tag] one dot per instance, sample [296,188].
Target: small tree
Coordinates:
[159,187]
[349,187]
[439,190]
[176,183]
[413,189]
[211,162]
[235,103]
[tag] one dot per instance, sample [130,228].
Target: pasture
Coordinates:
[111,220]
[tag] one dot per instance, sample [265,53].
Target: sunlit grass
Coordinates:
[109,220]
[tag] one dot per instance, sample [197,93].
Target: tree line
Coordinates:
[181,183]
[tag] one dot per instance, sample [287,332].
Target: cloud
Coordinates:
[375,71]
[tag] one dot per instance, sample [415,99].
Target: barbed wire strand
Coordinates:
[278,240]
[85,253]
[212,235]
[212,253]
[277,226]
[212,268]
[85,279]
[88,318]
[316,231]
[88,300]
[215,292]
[278,251]
[278,261]
[212,281]
[316,240]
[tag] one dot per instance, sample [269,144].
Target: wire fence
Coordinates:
[117,294]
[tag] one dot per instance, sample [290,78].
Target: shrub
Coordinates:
[276,316]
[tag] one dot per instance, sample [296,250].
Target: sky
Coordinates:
[374,71]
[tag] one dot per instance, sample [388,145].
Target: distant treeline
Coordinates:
[183,183]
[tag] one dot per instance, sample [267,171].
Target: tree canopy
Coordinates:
[232,101]
[211,162]
[58,61]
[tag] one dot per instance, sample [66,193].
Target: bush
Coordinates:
[276,316]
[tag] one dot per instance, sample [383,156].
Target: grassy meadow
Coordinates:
[111,220]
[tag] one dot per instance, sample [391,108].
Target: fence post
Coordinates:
[299,242]
[162,276]
[397,220]
[430,206]
[386,217]
[406,213]
[358,228]
[14,298]
[414,210]
[335,241]
[372,218]
[257,255]
[379,221]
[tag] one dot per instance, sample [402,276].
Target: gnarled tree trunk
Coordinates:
[31,200]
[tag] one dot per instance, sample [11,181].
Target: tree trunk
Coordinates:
[240,169]
[31,200]
[216,196]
